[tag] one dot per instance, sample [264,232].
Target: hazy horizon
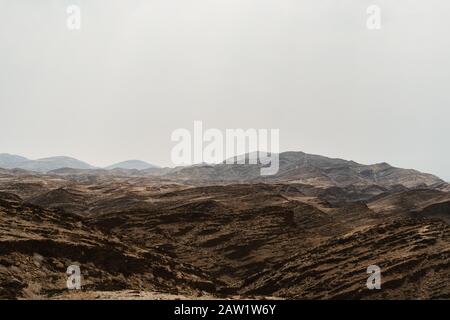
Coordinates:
[137,70]
[103,166]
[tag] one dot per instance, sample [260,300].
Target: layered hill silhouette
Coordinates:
[9,161]
[294,167]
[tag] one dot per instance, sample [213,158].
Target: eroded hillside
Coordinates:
[161,237]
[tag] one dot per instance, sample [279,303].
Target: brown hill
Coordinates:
[311,169]
[165,237]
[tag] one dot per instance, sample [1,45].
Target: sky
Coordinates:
[137,70]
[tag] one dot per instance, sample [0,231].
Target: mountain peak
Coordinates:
[131,164]
[9,161]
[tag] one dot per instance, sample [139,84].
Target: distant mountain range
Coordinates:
[295,167]
[10,161]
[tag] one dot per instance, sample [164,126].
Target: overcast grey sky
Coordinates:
[139,69]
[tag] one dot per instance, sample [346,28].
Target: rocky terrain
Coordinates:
[310,232]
